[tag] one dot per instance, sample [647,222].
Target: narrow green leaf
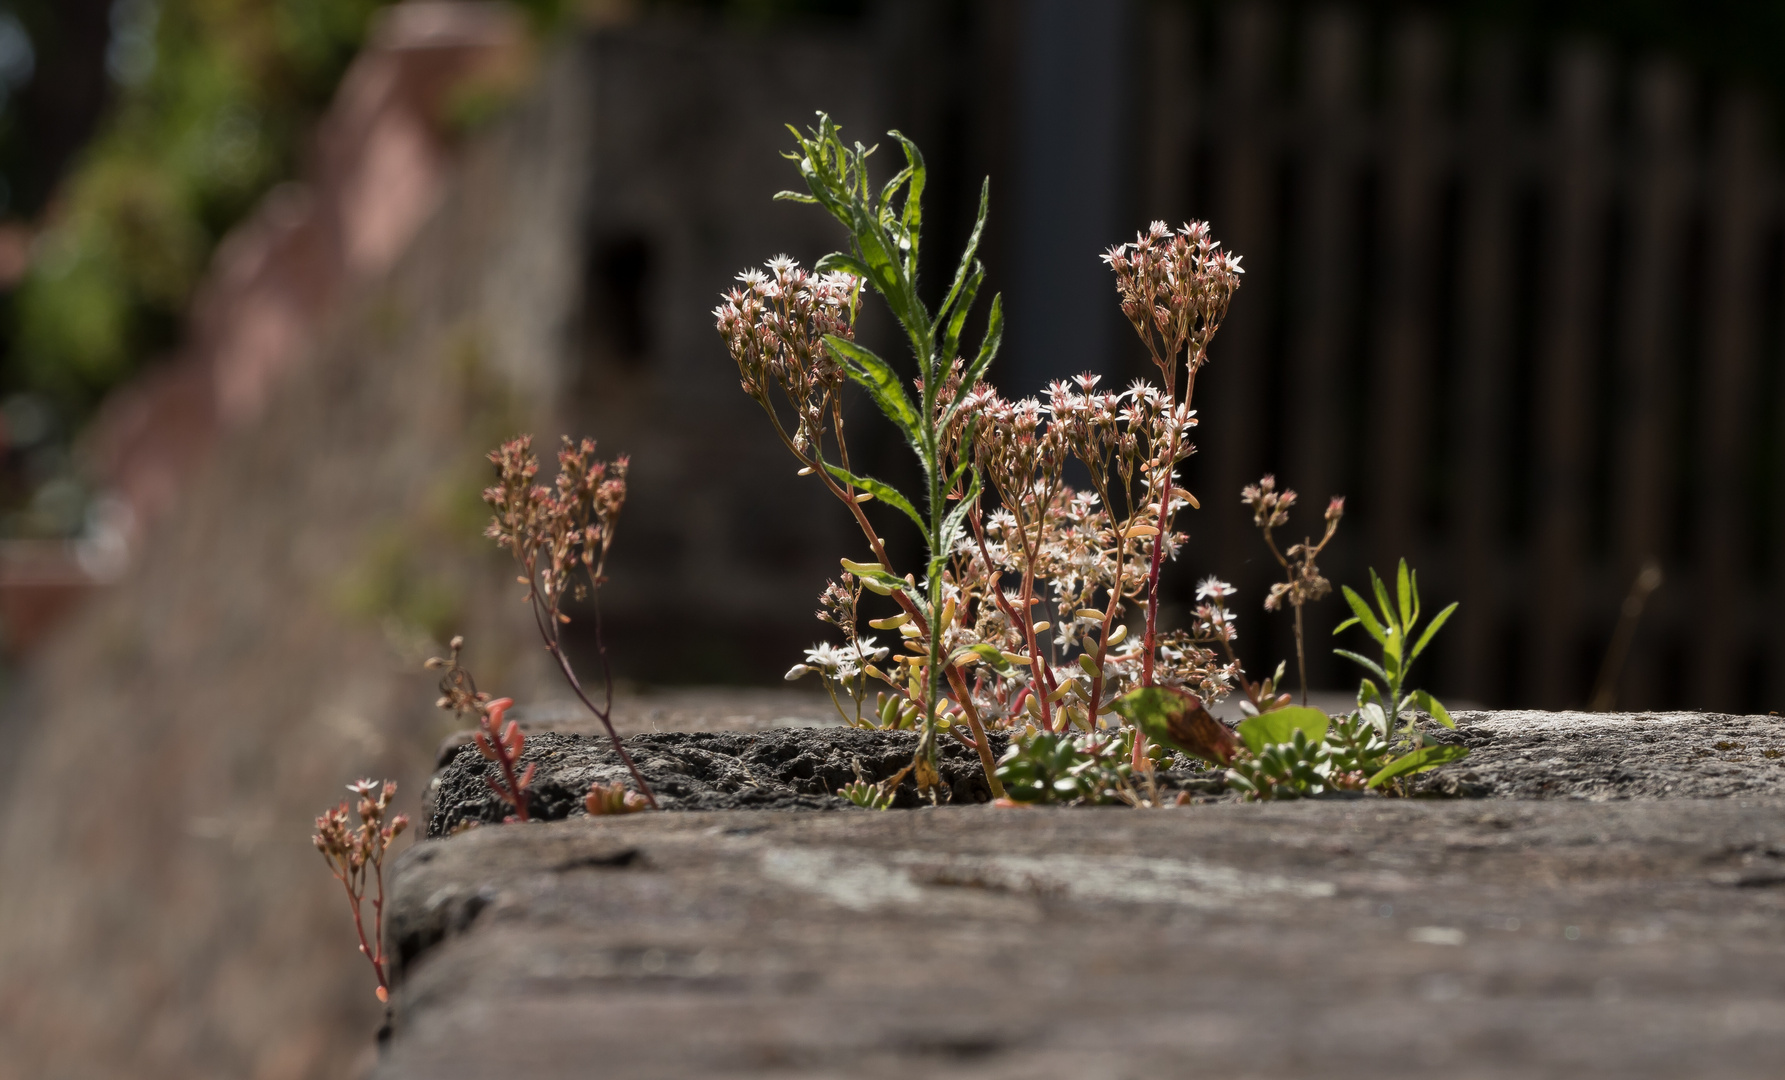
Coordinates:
[951,525]
[1431,630]
[1383,602]
[882,383]
[1346,625]
[881,490]
[1280,725]
[1404,594]
[912,218]
[887,273]
[1364,662]
[847,263]
[988,346]
[950,342]
[968,261]
[1431,705]
[1421,760]
[1363,616]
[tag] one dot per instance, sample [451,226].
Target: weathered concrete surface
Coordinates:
[1529,754]
[1513,755]
[1334,939]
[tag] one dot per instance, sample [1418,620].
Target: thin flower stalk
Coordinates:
[1174,289]
[1270,511]
[355,855]
[560,536]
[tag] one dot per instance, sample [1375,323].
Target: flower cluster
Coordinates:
[1175,287]
[556,531]
[1019,616]
[560,536]
[774,324]
[1304,583]
[355,854]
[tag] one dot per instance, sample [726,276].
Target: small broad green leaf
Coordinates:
[1431,631]
[1280,726]
[1423,700]
[880,489]
[1418,761]
[987,653]
[1177,718]
[1372,712]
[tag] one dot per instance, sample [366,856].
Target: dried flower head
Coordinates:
[555,532]
[560,536]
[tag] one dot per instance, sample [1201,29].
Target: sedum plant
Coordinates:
[1035,607]
[1017,616]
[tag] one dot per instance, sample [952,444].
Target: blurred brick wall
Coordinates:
[163,913]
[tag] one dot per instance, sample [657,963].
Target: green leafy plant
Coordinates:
[1392,626]
[1075,767]
[867,796]
[1299,752]
[885,230]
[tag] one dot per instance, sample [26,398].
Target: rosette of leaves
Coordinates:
[1286,755]
[867,796]
[1066,768]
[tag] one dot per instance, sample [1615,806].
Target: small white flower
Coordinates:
[1211,588]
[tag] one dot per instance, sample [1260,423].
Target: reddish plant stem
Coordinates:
[553,646]
[506,762]
[847,496]
[1166,468]
[359,927]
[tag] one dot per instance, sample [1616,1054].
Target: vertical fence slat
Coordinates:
[1333,137]
[1733,267]
[1568,154]
[1484,350]
[1230,393]
[1661,191]
[1402,367]
[1171,104]
[1563,385]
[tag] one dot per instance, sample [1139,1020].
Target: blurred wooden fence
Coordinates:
[1522,308]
